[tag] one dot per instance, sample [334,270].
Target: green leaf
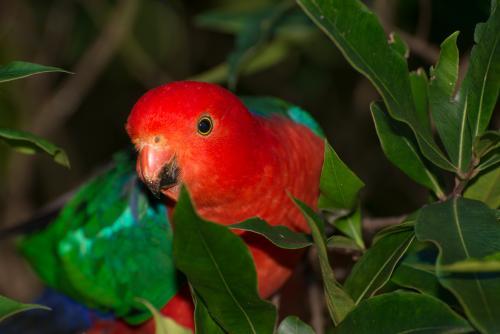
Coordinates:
[491,160]
[365,46]
[463,229]
[487,142]
[279,235]
[374,268]
[407,225]
[204,323]
[293,325]
[417,271]
[489,264]
[402,312]
[339,303]
[28,143]
[164,325]
[256,31]
[339,186]
[420,91]
[450,121]
[223,274]
[479,91]
[350,225]
[486,188]
[398,145]
[20,69]
[341,242]
[9,307]
[399,45]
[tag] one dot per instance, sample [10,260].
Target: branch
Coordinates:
[67,99]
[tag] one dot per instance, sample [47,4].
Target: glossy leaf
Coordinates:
[487,142]
[479,91]
[279,235]
[408,224]
[29,143]
[420,91]
[350,225]
[225,280]
[486,188]
[451,121]
[373,270]
[491,160]
[163,324]
[339,303]
[399,45]
[402,312]
[463,229]
[399,147]
[9,307]
[342,242]
[20,69]
[293,325]
[204,323]
[339,186]
[417,271]
[365,46]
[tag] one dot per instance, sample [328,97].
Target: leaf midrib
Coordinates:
[406,242]
[430,144]
[466,251]
[240,307]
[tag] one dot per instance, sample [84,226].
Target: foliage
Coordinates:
[9,307]
[434,259]
[23,141]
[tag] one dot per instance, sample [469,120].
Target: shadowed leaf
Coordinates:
[398,145]
[338,301]
[20,69]
[374,268]
[365,46]
[279,235]
[223,274]
[464,229]
[9,307]
[402,312]
[28,143]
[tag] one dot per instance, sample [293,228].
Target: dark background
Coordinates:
[120,49]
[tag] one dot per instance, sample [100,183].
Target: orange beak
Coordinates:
[157,168]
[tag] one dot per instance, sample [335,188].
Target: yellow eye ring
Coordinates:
[205,125]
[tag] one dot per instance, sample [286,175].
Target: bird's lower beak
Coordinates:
[158,169]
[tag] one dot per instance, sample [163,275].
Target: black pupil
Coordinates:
[204,126]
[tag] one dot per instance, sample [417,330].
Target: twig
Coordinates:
[65,101]
[427,51]
[373,225]
[424,19]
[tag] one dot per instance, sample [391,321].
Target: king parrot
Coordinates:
[112,242]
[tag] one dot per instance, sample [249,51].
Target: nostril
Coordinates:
[157,139]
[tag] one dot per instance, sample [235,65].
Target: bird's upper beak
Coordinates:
[157,168]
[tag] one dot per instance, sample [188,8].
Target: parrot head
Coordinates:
[192,133]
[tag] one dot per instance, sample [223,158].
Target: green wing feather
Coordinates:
[110,244]
[270,106]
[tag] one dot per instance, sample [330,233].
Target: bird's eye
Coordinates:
[205,125]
